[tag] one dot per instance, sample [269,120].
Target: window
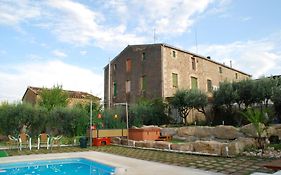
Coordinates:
[209,86]
[236,75]
[175,80]
[220,69]
[143,83]
[128,86]
[194,84]
[114,88]
[114,67]
[143,56]
[174,53]
[193,63]
[128,65]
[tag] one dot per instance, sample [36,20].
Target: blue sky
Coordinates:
[68,42]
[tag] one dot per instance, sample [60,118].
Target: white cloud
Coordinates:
[13,12]
[77,24]
[59,53]
[107,24]
[47,74]
[170,17]
[256,57]
[83,52]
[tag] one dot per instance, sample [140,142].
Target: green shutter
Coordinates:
[209,85]
[194,84]
[175,79]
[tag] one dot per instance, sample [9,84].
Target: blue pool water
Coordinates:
[77,166]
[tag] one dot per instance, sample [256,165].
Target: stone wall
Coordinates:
[220,140]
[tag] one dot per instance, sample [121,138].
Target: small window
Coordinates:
[175,80]
[143,83]
[128,65]
[114,88]
[128,86]
[236,75]
[174,53]
[194,84]
[220,69]
[114,67]
[193,63]
[209,86]
[143,56]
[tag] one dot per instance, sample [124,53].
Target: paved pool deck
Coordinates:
[125,165]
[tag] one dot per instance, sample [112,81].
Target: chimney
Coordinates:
[208,57]
[230,63]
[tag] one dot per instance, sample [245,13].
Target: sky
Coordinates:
[69,42]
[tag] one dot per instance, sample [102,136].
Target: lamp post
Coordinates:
[127,112]
[91,121]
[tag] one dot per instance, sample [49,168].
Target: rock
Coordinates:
[209,147]
[191,139]
[274,130]
[131,143]
[116,140]
[168,131]
[250,131]
[237,147]
[161,145]
[226,132]
[182,147]
[179,138]
[124,141]
[145,144]
[197,131]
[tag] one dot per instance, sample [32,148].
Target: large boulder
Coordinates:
[182,147]
[124,141]
[196,131]
[274,130]
[237,147]
[168,131]
[116,140]
[250,131]
[145,144]
[161,145]
[208,147]
[226,132]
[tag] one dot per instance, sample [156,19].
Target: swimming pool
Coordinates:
[74,166]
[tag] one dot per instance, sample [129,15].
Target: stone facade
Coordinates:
[158,70]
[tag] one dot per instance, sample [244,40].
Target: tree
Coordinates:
[185,100]
[263,90]
[276,99]
[149,112]
[245,92]
[55,97]
[225,95]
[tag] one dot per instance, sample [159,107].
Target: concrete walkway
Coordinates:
[125,165]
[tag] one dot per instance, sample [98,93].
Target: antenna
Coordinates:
[196,40]
[154,36]
[109,85]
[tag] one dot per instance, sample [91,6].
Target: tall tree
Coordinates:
[185,100]
[225,95]
[55,97]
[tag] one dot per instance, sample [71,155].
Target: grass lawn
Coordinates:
[236,165]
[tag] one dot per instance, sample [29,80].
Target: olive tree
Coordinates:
[54,97]
[185,100]
[225,95]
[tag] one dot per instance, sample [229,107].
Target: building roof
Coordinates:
[71,94]
[182,50]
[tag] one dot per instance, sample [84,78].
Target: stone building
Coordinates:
[32,96]
[158,70]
